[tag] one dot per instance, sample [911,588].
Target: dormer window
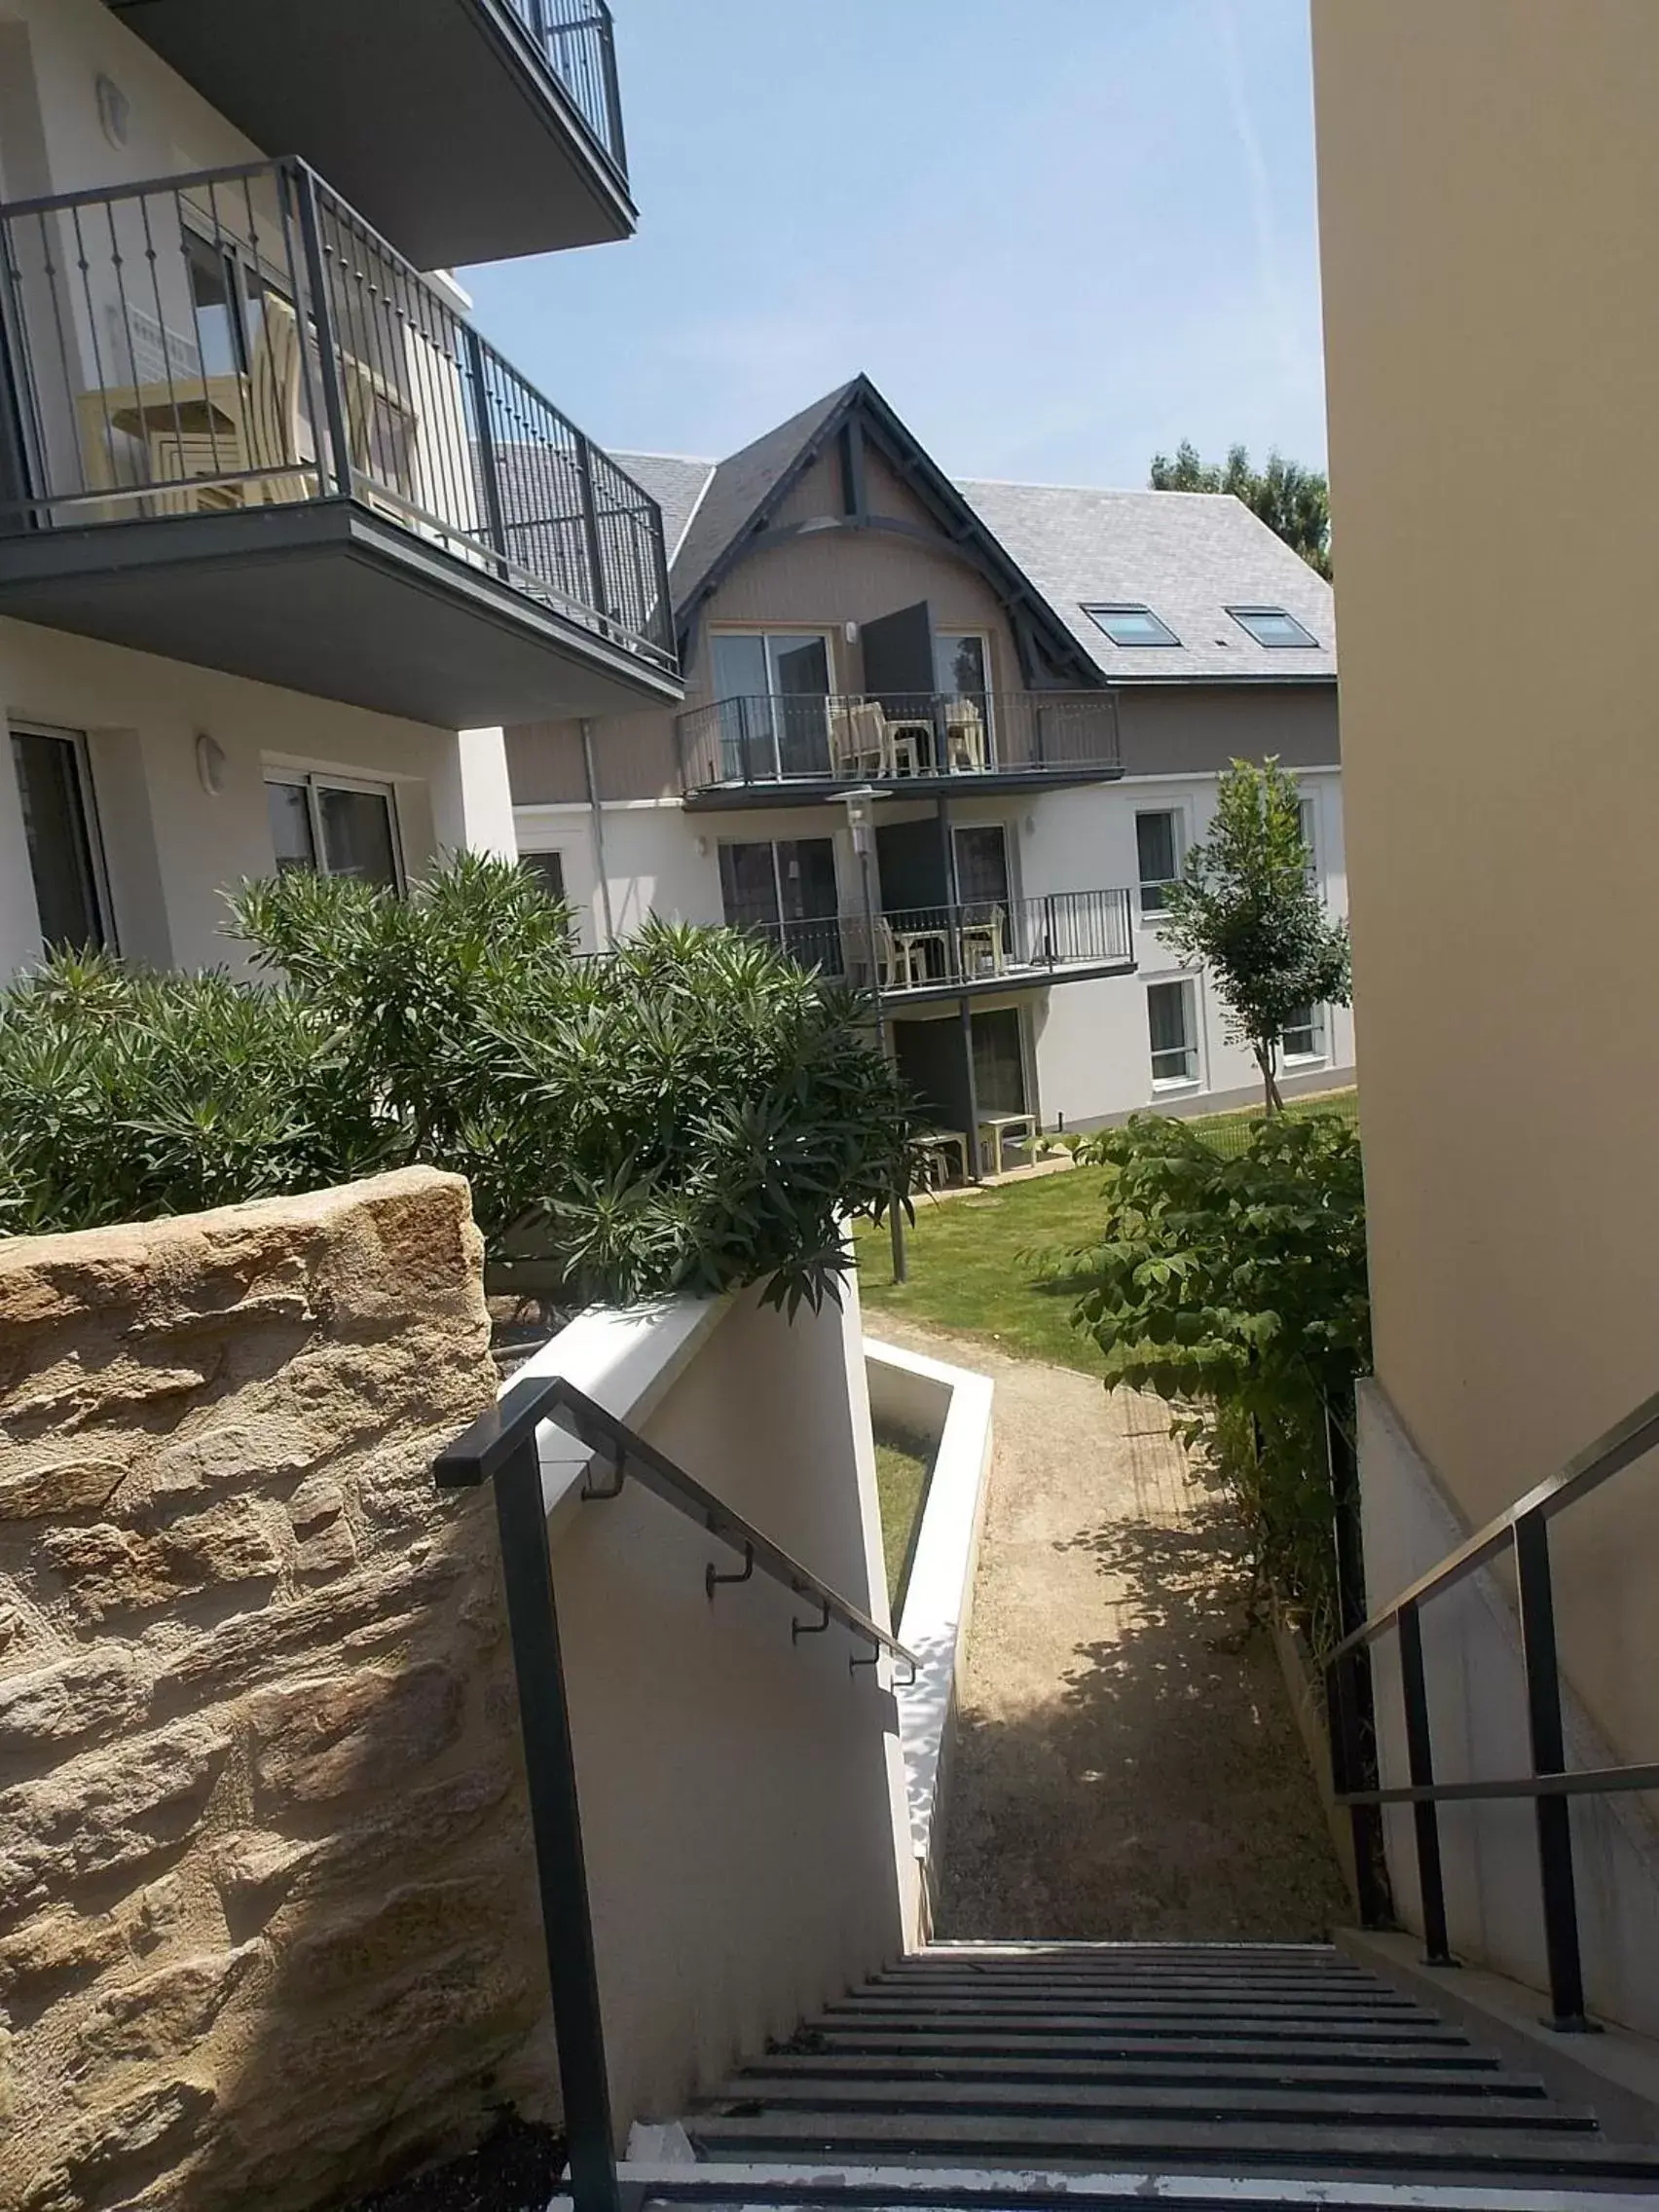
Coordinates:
[1127,625]
[1272,626]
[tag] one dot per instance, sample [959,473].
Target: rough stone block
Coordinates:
[111,2156]
[335,1735]
[112,1570]
[165,2015]
[240,1452]
[56,1951]
[89,1693]
[109,1808]
[34,1484]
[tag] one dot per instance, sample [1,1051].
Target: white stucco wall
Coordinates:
[171,847]
[736,1884]
[1478,1728]
[52,55]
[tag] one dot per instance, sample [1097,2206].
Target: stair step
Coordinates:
[1185,2144]
[1480,2079]
[920,2187]
[1445,2051]
[1318,1987]
[1181,2028]
[983,2004]
[834,2095]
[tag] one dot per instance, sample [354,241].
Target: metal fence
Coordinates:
[813,737]
[922,948]
[244,338]
[580,41]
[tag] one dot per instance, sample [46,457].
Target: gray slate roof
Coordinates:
[736,490]
[674,482]
[1187,555]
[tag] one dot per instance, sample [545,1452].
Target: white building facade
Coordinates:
[849,620]
[261,605]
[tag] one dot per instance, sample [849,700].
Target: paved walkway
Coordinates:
[1127,1764]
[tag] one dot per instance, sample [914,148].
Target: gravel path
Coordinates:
[1127,1765]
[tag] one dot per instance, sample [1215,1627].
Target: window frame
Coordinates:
[1152,916]
[1247,613]
[314,782]
[1318,1030]
[1308,819]
[1187,986]
[89,825]
[1096,609]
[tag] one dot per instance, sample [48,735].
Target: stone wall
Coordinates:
[266,1924]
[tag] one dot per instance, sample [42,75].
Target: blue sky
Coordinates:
[1059,234]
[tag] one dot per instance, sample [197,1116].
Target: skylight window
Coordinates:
[1272,626]
[1131,625]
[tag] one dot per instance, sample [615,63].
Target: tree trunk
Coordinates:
[1272,1102]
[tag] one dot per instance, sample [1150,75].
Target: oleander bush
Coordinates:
[692,1112]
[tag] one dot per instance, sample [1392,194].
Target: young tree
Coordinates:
[1245,908]
[1294,501]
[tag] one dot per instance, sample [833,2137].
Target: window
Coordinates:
[1173,1032]
[548,869]
[335,828]
[1304,1036]
[784,892]
[1272,626]
[1131,625]
[60,831]
[1158,840]
[772,689]
[982,864]
[961,665]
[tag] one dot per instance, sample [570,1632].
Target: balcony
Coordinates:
[784,748]
[246,434]
[466,129]
[948,952]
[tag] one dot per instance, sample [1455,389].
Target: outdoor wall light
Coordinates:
[850,631]
[210,765]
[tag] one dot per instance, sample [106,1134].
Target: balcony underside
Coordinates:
[437,118]
[1006,984]
[326,598]
[813,791]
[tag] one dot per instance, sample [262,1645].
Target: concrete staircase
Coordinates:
[1018,2073]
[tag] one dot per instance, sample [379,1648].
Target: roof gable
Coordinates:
[746,491]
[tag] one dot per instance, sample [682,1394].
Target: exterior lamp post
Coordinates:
[860,805]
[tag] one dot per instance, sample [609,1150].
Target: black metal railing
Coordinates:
[242,338]
[501,1447]
[809,737]
[579,43]
[1520,1533]
[981,941]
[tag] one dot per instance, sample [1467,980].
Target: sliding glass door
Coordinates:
[774,689]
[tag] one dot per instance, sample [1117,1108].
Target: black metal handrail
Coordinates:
[500,1447]
[1519,1530]
[578,40]
[987,942]
[242,337]
[814,737]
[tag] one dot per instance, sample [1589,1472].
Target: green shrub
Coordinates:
[692,1114]
[1236,1286]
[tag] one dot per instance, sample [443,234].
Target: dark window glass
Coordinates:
[548,868]
[999,1066]
[288,806]
[982,865]
[1155,841]
[1169,1026]
[357,836]
[213,297]
[59,839]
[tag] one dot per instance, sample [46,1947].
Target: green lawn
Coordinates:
[903,1465]
[973,1265]
[975,1260]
